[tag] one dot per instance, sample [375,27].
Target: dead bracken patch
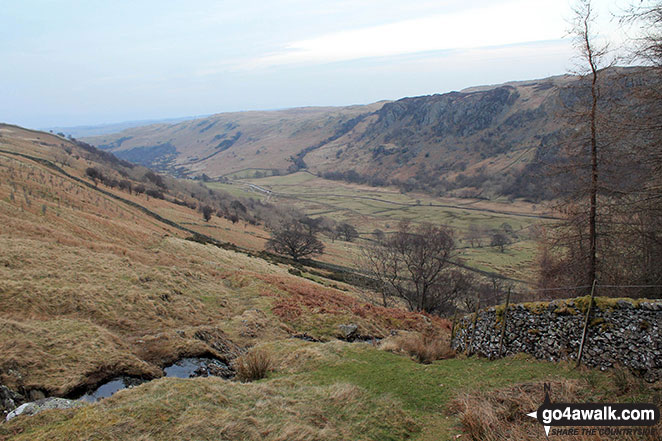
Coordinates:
[297,299]
[423,348]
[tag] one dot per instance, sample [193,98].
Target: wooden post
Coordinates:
[503,326]
[473,330]
[586,321]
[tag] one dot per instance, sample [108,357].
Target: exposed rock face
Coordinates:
[35,407]
[455,113]
[619,333]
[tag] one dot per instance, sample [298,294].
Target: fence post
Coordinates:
[503,326]
[585,331]
[473,329]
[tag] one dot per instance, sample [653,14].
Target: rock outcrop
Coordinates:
[35,407]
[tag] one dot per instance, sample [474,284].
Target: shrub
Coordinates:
[207,211]
[253,365]
[125,185]
[94,174]
[156,194]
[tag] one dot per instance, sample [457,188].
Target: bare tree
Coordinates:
[313,225]
[499,240]
[577,237]
[94,174]
[591,57]
[347,232]
[291,238]
[646,15]
[612,230]
[413,264]
[474,235]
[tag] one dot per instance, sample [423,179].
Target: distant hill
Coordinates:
[481,142]
[104,129]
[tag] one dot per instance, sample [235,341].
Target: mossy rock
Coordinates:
[597,321]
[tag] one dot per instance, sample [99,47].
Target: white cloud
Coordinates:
[510,23]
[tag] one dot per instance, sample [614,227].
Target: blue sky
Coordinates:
[75,62]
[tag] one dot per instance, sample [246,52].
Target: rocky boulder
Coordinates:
[35,407]
[348,332]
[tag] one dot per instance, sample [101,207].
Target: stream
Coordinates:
[183,368]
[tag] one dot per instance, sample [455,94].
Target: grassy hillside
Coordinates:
[79,262]
[96,282]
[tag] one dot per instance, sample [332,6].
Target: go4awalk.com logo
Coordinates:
[596,419]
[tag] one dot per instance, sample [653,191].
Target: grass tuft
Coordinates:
[422,348]
[253,365]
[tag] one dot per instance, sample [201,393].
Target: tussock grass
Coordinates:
[254,365]
[334,391]
[422,348]
[59,355]
[501,414]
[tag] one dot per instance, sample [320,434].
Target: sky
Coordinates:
[85,62]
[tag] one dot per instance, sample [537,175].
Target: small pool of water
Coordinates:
[109,388]
[183,368]
[197,367]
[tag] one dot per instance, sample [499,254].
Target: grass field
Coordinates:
[249,173]
[369,208]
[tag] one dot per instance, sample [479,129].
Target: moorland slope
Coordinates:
[485,141]
[97,282]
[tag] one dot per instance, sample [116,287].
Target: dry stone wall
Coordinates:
[621,332]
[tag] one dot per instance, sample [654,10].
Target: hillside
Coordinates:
[230,142]
[483,142]
[438,143]
[99,285]
[84,260]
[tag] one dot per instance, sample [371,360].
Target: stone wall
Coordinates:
[621,332]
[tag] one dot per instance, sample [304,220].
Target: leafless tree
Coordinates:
[347,232]
[291,238]
[207,211]
[577,238]
[591,57]
[499,240]
[646,16]
[312,225]
[613,230]
[413,264]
